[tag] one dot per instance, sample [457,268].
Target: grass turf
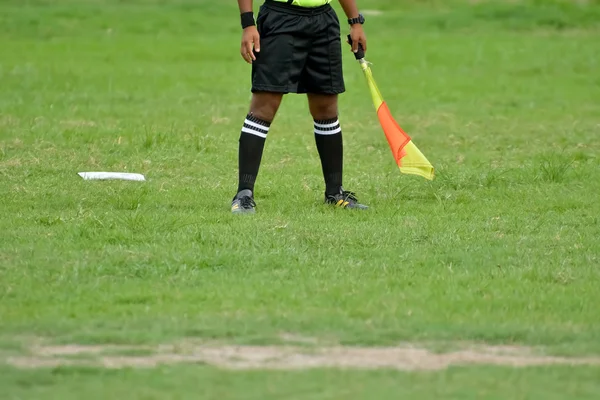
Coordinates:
[193,382]
[501,247]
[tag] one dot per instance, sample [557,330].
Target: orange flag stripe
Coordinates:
[395,136]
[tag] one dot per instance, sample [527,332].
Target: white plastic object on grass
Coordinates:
[126,176]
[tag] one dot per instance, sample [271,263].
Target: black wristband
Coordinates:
[247,19]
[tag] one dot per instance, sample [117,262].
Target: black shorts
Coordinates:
[300,50]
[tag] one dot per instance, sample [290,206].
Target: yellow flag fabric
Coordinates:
[408,157]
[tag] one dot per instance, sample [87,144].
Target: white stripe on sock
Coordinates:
[253,132]
[333,132]
[254,124]
[322,126]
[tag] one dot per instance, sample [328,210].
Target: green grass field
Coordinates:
[501,249]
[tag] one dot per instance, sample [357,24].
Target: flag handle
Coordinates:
[360,54]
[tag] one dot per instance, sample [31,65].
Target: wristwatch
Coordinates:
[359,20]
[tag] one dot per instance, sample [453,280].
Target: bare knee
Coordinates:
[264,105]
[323,106]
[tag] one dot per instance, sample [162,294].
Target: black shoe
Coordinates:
[243,203]
[344,199]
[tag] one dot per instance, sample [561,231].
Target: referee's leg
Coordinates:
[323,106]
[263,107]
[328,137]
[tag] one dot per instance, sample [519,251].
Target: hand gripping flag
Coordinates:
[408,157]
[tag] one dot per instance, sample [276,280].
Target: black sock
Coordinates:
[252,143]
[328,135]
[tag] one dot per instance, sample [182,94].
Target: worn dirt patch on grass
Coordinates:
[406,357]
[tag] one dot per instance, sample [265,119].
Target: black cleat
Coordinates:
[344,199]
[243,203]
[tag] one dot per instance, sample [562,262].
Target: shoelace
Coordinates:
[247,202]
[349,195]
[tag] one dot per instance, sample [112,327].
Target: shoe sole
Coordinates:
[334,205]
[242,211]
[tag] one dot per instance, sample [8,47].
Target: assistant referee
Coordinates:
[294,46]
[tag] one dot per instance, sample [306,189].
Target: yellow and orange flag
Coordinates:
[408,157]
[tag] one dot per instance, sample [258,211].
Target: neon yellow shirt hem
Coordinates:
[307,3]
